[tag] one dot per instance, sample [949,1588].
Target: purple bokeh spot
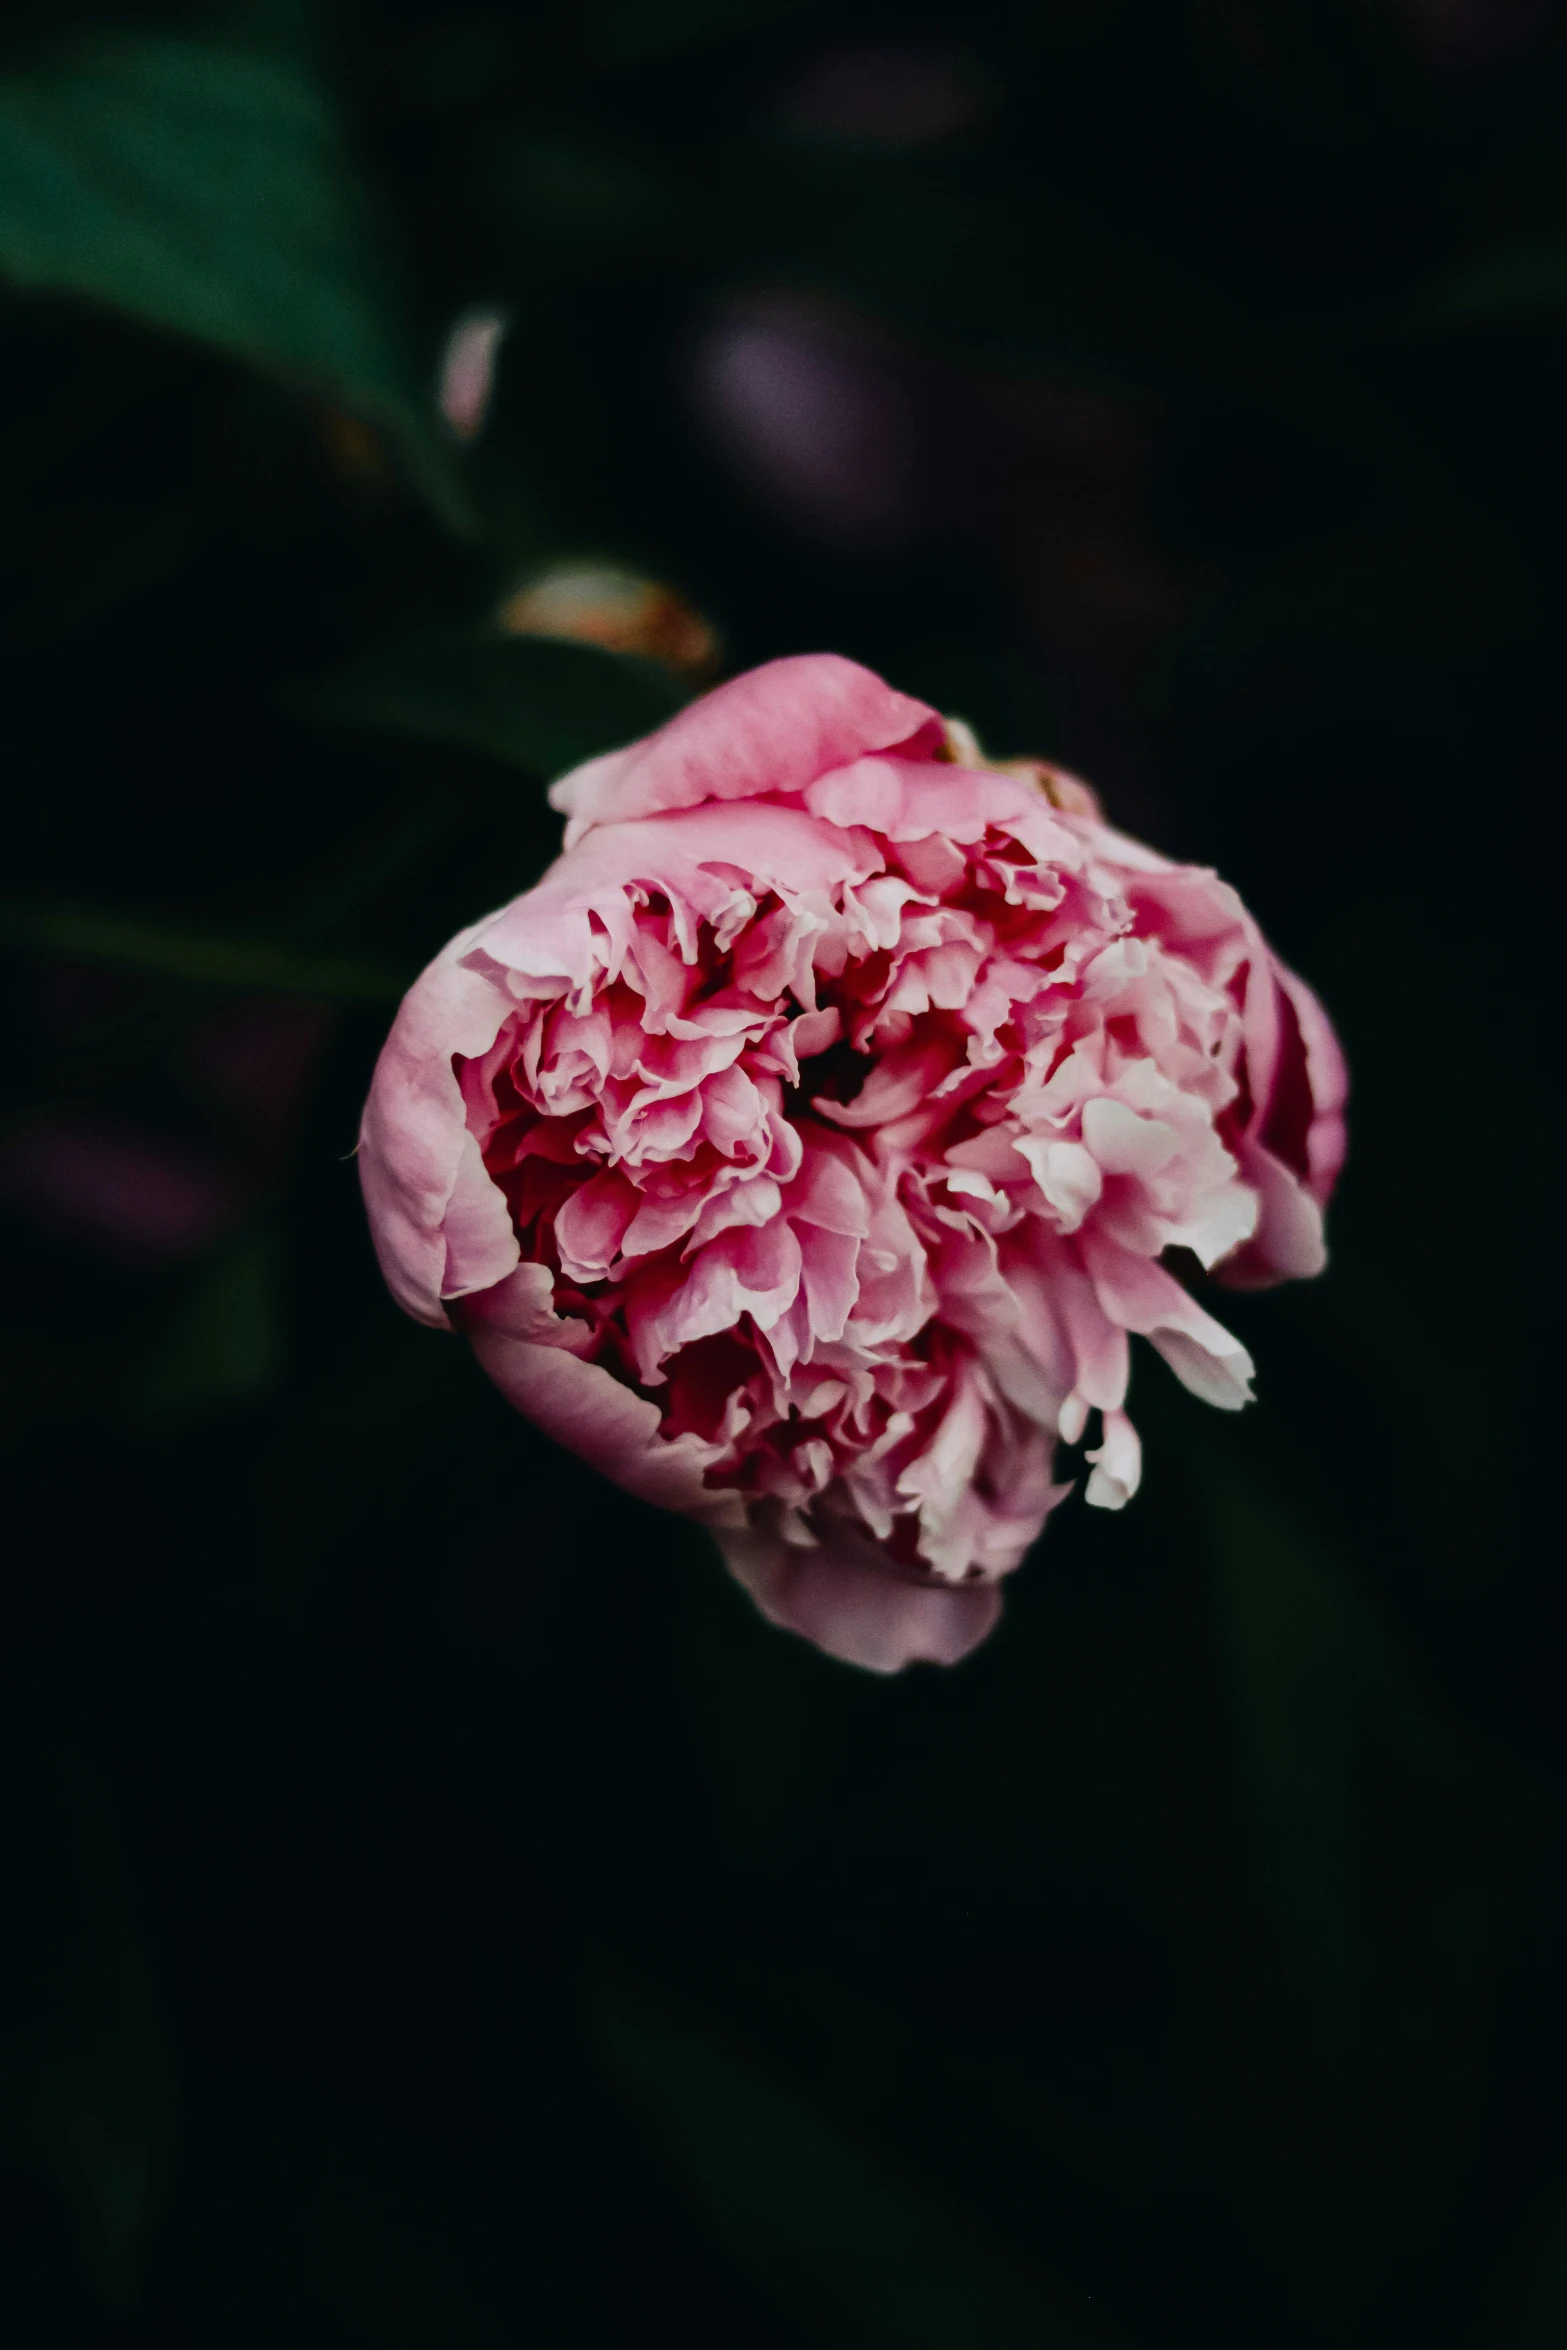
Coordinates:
[815,414]
[127,1191]
[903,95]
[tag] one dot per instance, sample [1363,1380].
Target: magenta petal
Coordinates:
[828,1267]
[1328,1077]
[592,1225]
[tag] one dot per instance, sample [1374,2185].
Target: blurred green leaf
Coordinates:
[860,2253]
[86,2087]
[1531,282]
[207,191]
[206,960]
[536,702]
[224,1343]
[1390,1848]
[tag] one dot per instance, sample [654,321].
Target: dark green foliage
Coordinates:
[436,1909]
[861,2254]
[203,189]
[538,705]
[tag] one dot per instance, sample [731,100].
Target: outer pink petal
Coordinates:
[481,1246]
[773,730]
[1328,1074]
[423,1190]
[843,1599]
[582,1407]
[1288,1243]
[523,1306]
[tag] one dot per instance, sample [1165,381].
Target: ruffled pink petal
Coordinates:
[1140,1295]
[576,926]
[773,730]
[750,1269]
[910,800]
[829,1270]
[831,1188]
[1096,1335]
[592,1226]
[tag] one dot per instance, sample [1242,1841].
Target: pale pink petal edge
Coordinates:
[844,1601]
[605,1424]
[416,1155]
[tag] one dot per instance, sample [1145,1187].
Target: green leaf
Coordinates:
[127,943]
[1529,283]
[224,1343]
[206,191]
[536,702]
[862,2254]
[1389,1849]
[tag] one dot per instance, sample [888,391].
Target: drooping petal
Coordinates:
[842,1598]
[1118,1465]
[1140,1295]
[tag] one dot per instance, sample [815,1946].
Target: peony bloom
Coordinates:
[805,1148]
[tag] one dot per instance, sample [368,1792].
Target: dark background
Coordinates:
[433,1908]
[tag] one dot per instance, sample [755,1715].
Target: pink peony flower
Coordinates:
[805,1148]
